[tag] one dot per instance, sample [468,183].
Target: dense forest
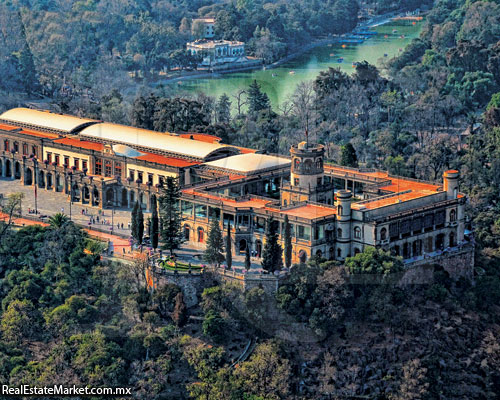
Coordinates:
[66,317]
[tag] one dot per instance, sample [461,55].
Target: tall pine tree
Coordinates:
[229,255]
[154,225]
[272,255]
[133,222]
[248,262]
[170,215]
[257,99]
[288,242]
[215,244]
[140,224]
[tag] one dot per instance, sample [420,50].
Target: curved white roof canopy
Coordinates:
[45,120]
[166,142]
[249,163]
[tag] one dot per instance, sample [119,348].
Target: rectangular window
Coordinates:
[150,178]
[57,161]
[118,169]
[66,162]
[6,145]
[98,166]
[187,208]
[25,149]
[228,219]
[107,168]
[34,151]
[131,175]
[49,157]
[76,163]
[139,176]
[161,180]
[200,211]
[16,147]
[296,182]
[84,164]
[319,232]
[304,232]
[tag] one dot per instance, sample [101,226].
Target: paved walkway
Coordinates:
[50,203]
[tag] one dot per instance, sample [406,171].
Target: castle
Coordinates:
[335,212]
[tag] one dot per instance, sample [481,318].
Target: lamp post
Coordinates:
[112,204]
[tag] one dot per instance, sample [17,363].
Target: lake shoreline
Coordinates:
[386,18]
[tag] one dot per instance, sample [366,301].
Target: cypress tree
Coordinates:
[215,244]
[170,215]
[154,225]
[140,224]
[272,254]
[248,262]
[133,221]
[229,256]
[288,243]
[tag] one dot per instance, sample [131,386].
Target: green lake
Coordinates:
[279,83]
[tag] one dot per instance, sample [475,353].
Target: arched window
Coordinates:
[339,233]
[383,234]
[201,235]
[452,240]
[308,166]
[339,253]
[356,251]
[319,163]
[357,232]
[453,216]
[340,210]
[296,163]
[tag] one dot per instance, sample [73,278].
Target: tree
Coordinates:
[272,255]
[179,315]
[12,208]
[143,110]
[58,220]
[140,224]
[248,262]
[153,234]
[223,110]
[229,255]
[374,261]
[288,242]
[257,100]
[215,244]
[170,216]
[348,156]
[267,373]
[19,321]
[133,221]
[214,326]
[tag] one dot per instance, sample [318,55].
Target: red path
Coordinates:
[118,243]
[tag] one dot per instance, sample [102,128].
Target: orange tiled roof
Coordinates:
[82,144]
[310,211]
[30,132]
[170,161]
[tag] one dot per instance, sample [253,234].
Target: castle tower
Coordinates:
[450,183]
[450,186]
[343,234]
[307,181]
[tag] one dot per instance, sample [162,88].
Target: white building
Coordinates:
[208,24]
[216,52]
